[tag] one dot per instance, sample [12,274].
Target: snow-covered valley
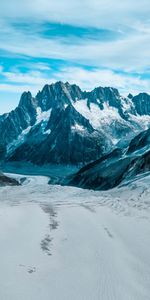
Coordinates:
[65,243]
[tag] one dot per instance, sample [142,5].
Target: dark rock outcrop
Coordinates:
[5,181]
[142,104]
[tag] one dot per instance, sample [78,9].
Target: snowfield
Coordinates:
[64,243]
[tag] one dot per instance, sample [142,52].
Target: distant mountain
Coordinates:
[66,125]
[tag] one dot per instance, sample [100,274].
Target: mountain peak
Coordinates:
[27,100]
[142,103]
[24,97]
[58,94]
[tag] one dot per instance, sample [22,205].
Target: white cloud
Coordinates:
[20,82]
[130,53]
[86,79]
[99,13]
[38,66]
[31,78]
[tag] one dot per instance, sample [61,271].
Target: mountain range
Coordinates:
[64,125]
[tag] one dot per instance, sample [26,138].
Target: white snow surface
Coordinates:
[96,116]
[65,243]
[77,127]
[143,121]
[42,116]
[47,131]
[101,118]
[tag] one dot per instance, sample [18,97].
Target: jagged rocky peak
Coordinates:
[108,93]
[27,100]
[142,103]
[75,91]
[28,107]
[102,95]
[58,94]
[44,98]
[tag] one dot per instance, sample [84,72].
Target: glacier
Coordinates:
[65,243]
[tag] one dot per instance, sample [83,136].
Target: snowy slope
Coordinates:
[109,120]
[65,243]
[96,116]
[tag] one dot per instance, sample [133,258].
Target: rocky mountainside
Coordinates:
[116,167]
[64,124]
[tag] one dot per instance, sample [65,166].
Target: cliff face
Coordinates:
[142,104]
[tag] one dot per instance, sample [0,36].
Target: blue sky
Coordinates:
[89,42]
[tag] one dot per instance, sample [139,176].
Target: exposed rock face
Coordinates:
[12,124]
[64,124]
[140,142]
[142,104]
[72,140]
[58,95]
[116,167]
[102,174]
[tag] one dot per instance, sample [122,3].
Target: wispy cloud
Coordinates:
[96,13]
[130,52]
[89,42]
[86,79]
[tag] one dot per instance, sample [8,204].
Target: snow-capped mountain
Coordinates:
[64,124]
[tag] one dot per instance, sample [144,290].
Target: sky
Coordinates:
[89,42]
